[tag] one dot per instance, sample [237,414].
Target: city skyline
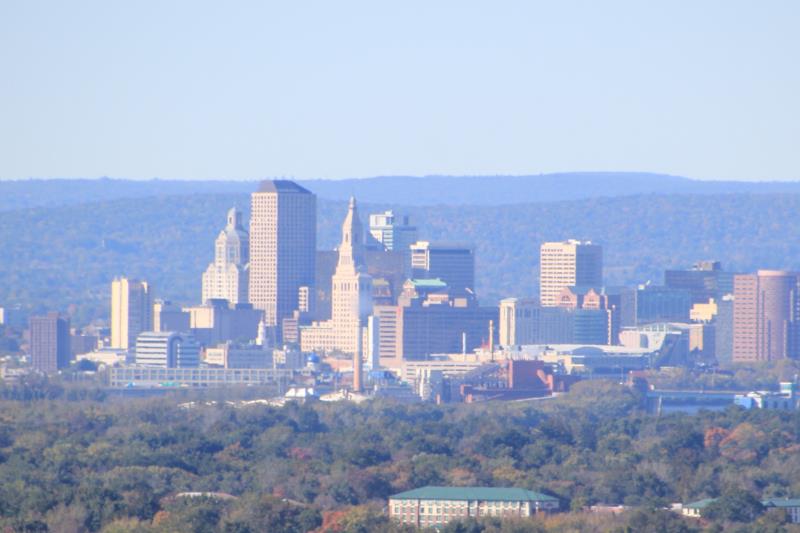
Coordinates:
[354,266]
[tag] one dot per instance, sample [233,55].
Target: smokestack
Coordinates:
[491,338]
[358,362]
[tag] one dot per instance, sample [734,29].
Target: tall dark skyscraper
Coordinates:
[49,342]
[283,242]
[453,264]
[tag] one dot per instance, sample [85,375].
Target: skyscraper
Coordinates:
[227,277]
[705,280]
[765,316]
[393,233]
[351,298]
[49,342]
[131,311]
[519,320]
[566,264]
[283,226]
[351,295]
[453,264]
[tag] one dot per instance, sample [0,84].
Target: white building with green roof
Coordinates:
[695,509]
[791,505]
[436,506]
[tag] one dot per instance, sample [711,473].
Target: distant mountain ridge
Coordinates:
[404,190]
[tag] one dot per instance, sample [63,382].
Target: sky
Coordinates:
[341,89]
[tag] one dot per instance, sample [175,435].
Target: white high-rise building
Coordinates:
[131,311]
[283,243]
[394,234]
[351,295]
[227,277]
[568,264]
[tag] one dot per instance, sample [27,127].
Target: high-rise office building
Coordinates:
[50,339]
[387,269]
[167,349]
[566,264]
[393,232]
[592,304]
[519,321]
[438,324]
[283,226]
[217,321]
[351,298]
[389,337]
[169,317]
[705,280]
[765,316]
[351,295]
[131,311]
[723,330]
[227,277]
[656,303]
[453,264]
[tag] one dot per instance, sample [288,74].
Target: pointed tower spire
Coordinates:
[351,249]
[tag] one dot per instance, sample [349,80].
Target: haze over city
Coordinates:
[436,267]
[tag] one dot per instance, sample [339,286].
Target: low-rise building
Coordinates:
[791,505]
[436,506]
[105,356]
[159,377]
[695,509]
[167,349]
[231,355]
[785,399]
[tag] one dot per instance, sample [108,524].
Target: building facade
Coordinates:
[451,263]
[656,303]
[131,311]
[232,355]
[227,277]
[705,280]
[567,264]
[441,324]
[351,296]
[170,317]
[723,330]
[392,231]
[283,237]
[217,321]
[433,507]
[765,316]
[50,342]
[167,349]
[518,321]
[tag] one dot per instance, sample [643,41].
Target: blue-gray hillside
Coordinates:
[403,190]
[56,257]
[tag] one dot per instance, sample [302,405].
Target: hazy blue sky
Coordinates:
[192,89]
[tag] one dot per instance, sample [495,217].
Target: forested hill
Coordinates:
[404,190]
[55,257]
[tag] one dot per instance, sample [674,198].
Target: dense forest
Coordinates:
[69,463]
[66,256]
